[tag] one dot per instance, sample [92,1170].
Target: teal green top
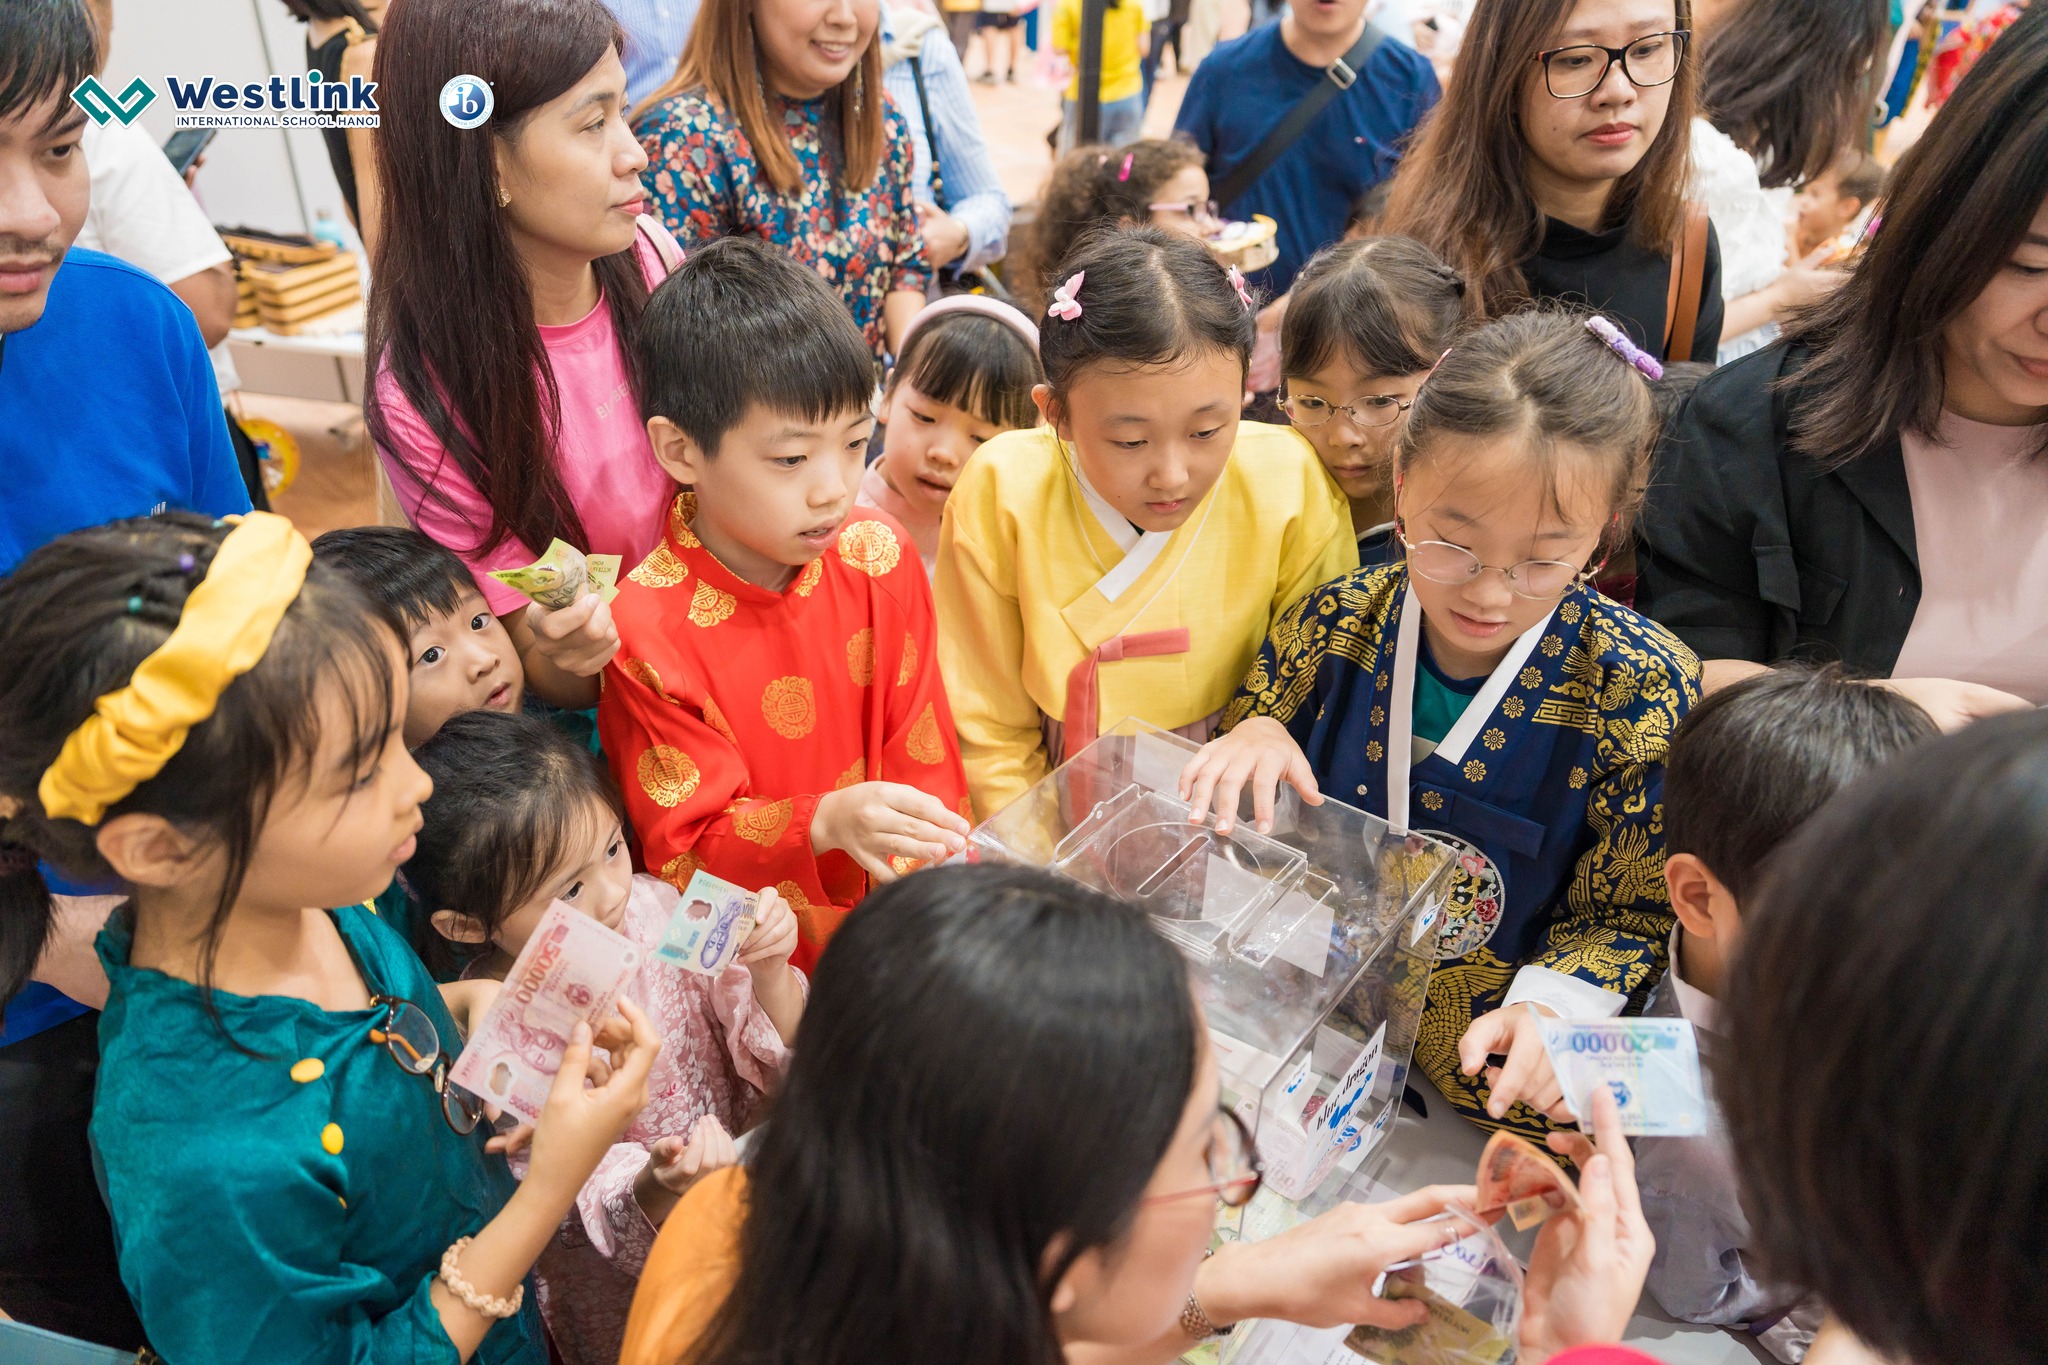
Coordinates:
[261,1217]
[1439,700]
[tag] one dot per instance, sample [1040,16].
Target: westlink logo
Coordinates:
[102,106]
[280,102]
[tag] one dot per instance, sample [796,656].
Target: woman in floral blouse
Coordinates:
[798,146]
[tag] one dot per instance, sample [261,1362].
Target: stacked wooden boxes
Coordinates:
[291,283]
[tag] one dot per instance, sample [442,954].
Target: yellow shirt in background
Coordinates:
[1021,561]
[1123,23]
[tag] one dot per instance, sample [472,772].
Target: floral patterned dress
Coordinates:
[705,183]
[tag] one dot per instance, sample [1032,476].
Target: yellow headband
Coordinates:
[223,631]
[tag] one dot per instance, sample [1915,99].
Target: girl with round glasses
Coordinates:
[1556,168]
[1482,692]
[1365,321]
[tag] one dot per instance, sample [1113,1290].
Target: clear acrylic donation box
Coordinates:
[1309,947]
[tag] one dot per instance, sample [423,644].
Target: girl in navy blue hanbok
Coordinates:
[1482,692]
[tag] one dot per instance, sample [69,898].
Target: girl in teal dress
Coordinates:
[218,726]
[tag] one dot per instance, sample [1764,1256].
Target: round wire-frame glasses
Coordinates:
[1453,565]
[1371,410]
[412,1041]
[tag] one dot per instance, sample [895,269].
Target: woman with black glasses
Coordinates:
[1000,1144]
[1556,168]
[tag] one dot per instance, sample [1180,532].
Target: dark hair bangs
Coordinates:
[1541,374]
[1955,207]
[741,323]
[1388,304]
[91,606]
[499,826]
[976,364]
[46,47]
[410,577]
[1150,297]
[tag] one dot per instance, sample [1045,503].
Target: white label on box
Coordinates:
[1426,921]
[1340,1125]
[1308,946]
[1294,1095]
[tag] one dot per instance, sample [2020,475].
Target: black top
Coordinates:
[326,59]
[1751,551]
[1627,282]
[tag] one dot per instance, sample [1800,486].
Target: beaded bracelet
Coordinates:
[481,1304]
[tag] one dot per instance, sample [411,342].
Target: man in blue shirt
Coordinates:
[1242,91]
[108,408]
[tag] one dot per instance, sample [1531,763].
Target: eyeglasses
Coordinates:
[1235,1171]
[415,1044]
[1652,60]
[1201,213]
[1373,410]
[1536,579]
[409,1035]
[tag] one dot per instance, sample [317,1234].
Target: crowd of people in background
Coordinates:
[1610,463]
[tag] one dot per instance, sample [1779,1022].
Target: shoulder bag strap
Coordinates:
[931,143]
[1339,77]
[1688,275]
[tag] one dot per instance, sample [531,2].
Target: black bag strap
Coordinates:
[1340,75]
[931,143]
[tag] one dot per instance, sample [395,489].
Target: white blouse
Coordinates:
[1749,220]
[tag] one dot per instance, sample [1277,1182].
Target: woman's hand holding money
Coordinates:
[1587,1270]
[578,639]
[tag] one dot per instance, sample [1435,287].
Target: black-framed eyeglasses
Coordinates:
[1651,60]
[408,1035]
[1235,1171]
[1538,580]
[1373,410]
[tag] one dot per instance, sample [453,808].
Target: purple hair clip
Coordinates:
[1618,342]
[186,563]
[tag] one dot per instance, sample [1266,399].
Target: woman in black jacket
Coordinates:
[1872,488]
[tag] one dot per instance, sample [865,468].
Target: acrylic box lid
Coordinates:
[1276,927]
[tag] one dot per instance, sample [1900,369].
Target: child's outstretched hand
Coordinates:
[873,822]
[580,1122]
[679,1164]
[766,957]
[1527,1077]
[1260,752]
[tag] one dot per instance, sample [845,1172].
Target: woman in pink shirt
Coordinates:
[510,275]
